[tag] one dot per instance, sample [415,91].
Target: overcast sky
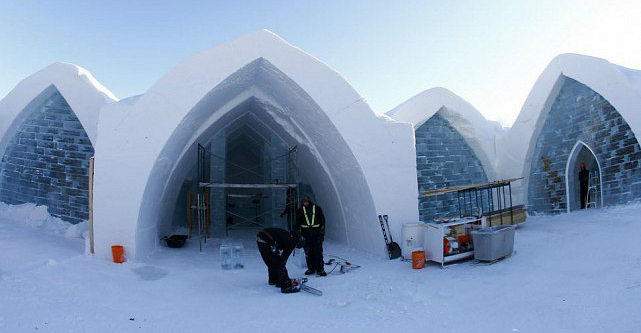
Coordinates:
[488,52]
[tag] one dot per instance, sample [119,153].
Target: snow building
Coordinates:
[48,125]
[580,110]
[454,146]
[248,105]
[265,117]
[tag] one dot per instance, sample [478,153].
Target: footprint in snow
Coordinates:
[150,273]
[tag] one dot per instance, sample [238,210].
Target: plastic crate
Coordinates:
[493,243]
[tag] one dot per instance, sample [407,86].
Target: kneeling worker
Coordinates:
[310,221]
[275,246]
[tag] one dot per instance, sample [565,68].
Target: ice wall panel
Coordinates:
[579,113]
[443,159]
[47,162]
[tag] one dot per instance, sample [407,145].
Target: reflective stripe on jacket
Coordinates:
[312,223]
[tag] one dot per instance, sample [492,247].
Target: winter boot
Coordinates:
[322,273]
[293,288]
[309,272]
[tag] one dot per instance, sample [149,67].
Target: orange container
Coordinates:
[464,239]
[418,259]
[118,252]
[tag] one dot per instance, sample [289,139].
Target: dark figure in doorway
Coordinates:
[310,221]
[584,177]
[275,245]
[290,208]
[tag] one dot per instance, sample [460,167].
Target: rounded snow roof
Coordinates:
[326,86]
[81,90]
[465,118]
[620,86]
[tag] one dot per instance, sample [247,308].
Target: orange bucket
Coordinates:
[418,259]
[118,252]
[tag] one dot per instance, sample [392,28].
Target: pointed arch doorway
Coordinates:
[582,153]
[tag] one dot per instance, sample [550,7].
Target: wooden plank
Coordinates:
[468,187]
[227,185]
[519,212]
[91,246]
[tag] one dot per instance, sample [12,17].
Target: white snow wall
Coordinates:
[144,148]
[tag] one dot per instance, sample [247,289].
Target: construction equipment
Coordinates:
[192,225]
[345,266]
[594,190]
[393,249]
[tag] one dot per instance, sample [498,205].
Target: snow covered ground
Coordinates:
[578,272]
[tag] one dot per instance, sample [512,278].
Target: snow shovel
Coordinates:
[393,250]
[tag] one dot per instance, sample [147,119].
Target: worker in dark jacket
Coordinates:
[584,177]
[310,221]
[275,245]
[290,208]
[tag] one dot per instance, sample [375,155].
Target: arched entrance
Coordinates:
[581,153]
[265,98]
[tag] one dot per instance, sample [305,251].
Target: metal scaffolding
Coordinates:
[290,184]
[470,199]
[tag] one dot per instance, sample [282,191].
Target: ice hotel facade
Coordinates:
[250,102]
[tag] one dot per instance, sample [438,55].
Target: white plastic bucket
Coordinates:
[413,236]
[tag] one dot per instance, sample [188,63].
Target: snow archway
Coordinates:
[615,85]
[270,97]
[47,135]
[46,161]
[578,113]
[366,164]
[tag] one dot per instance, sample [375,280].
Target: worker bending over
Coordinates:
[275,245]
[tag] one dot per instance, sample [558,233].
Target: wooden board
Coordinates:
[519,215]
[468,187]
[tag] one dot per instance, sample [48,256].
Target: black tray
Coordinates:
[176,241]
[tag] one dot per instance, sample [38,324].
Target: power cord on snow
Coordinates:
[345,266]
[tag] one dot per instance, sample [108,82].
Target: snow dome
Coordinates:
[47,135]
[454,146]
[249,102]
[581,110]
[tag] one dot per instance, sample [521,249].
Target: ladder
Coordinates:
[192,206]
[594,191]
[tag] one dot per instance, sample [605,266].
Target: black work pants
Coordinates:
[275,265]
[314,253]
[584,195]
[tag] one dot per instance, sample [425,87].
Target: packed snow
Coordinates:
[578,272]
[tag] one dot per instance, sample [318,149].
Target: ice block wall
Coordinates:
[579,113]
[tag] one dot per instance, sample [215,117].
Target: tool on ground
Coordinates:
[345,266]
[301,282]
[393,249]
